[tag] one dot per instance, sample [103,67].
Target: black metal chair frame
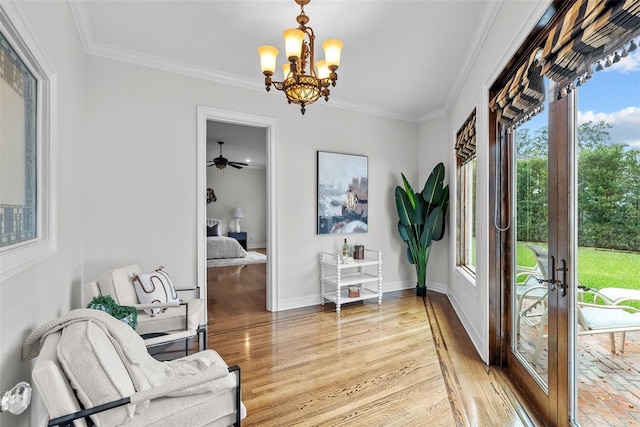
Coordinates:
[68,420]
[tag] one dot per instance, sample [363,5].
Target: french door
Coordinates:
[538,255]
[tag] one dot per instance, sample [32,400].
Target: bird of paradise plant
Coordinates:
[422,220]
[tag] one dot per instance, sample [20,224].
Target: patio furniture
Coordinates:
[93,369]
[531,296]
[609,317]
[619,295]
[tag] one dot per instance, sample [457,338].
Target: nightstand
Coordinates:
[241,237]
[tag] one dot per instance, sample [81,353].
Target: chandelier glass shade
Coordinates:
[305,80]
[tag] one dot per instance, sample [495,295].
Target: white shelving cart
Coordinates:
[336,277]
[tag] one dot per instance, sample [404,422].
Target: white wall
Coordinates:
[140,176]
[52,287]
[434,148]
[512,23]
[245,188]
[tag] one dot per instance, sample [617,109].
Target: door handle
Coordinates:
[553,282]
[563,282]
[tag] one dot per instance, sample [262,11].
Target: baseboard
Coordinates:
[440,288]
[469,326]
[311,300]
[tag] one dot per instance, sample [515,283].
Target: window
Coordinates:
[17,148]
[466,193]
[564,193]
[27,233]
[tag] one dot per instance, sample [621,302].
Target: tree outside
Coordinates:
[608,183]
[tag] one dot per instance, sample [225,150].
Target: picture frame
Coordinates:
[343,193]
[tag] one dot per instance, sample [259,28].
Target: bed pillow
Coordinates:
[155,287]
[213,231]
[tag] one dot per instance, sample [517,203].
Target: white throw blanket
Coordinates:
[145,371]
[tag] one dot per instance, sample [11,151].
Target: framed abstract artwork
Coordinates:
[343,193]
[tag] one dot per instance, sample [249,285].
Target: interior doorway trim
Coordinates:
[205,114]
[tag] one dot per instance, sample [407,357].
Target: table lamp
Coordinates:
[237,214]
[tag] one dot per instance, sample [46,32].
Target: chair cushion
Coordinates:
[52,383]
[95,370]
[154,287]
[117,283]
[598,318]
[90,291]
[215,408]
[172,319]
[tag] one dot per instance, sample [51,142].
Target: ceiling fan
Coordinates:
[221,162]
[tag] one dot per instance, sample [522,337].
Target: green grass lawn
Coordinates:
[598,268]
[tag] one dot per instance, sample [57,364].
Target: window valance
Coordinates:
[466,139]
[523,95]
[590,31]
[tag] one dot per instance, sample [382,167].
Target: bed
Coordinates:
[221,246]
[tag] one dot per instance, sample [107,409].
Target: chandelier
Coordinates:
[303,83]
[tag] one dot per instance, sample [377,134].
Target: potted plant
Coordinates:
[106,303]
[422,220]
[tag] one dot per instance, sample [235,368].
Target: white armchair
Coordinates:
[87,359]
[180,320]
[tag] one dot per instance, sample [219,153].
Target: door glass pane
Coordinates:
[606,386]
[529,301]
[470,217]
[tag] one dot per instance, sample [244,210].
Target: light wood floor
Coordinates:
[407,362]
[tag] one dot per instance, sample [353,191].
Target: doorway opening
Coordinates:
[237,242]
[266,126]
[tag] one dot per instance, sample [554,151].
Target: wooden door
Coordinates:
[536,257]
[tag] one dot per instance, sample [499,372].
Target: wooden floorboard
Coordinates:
[369,365]
[481,395]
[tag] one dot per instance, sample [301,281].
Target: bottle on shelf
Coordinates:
[345,249]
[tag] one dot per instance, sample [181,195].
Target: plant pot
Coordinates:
[421,292]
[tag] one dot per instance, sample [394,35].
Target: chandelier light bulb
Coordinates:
[332,48]
[268,55]
[322,71]
[286,69]
[293,39]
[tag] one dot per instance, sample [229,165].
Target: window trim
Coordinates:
[20,256]
[466,156]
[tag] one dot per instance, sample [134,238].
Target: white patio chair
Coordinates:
[609,317]
[531,296]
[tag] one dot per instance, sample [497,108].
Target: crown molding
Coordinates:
[433,115]
[91,47]
[368,109]
[81,18]
[191,70]
[481,33]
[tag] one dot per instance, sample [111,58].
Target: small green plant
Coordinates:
[422,219]
[106,303]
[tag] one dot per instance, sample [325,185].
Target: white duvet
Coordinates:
[224,247]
